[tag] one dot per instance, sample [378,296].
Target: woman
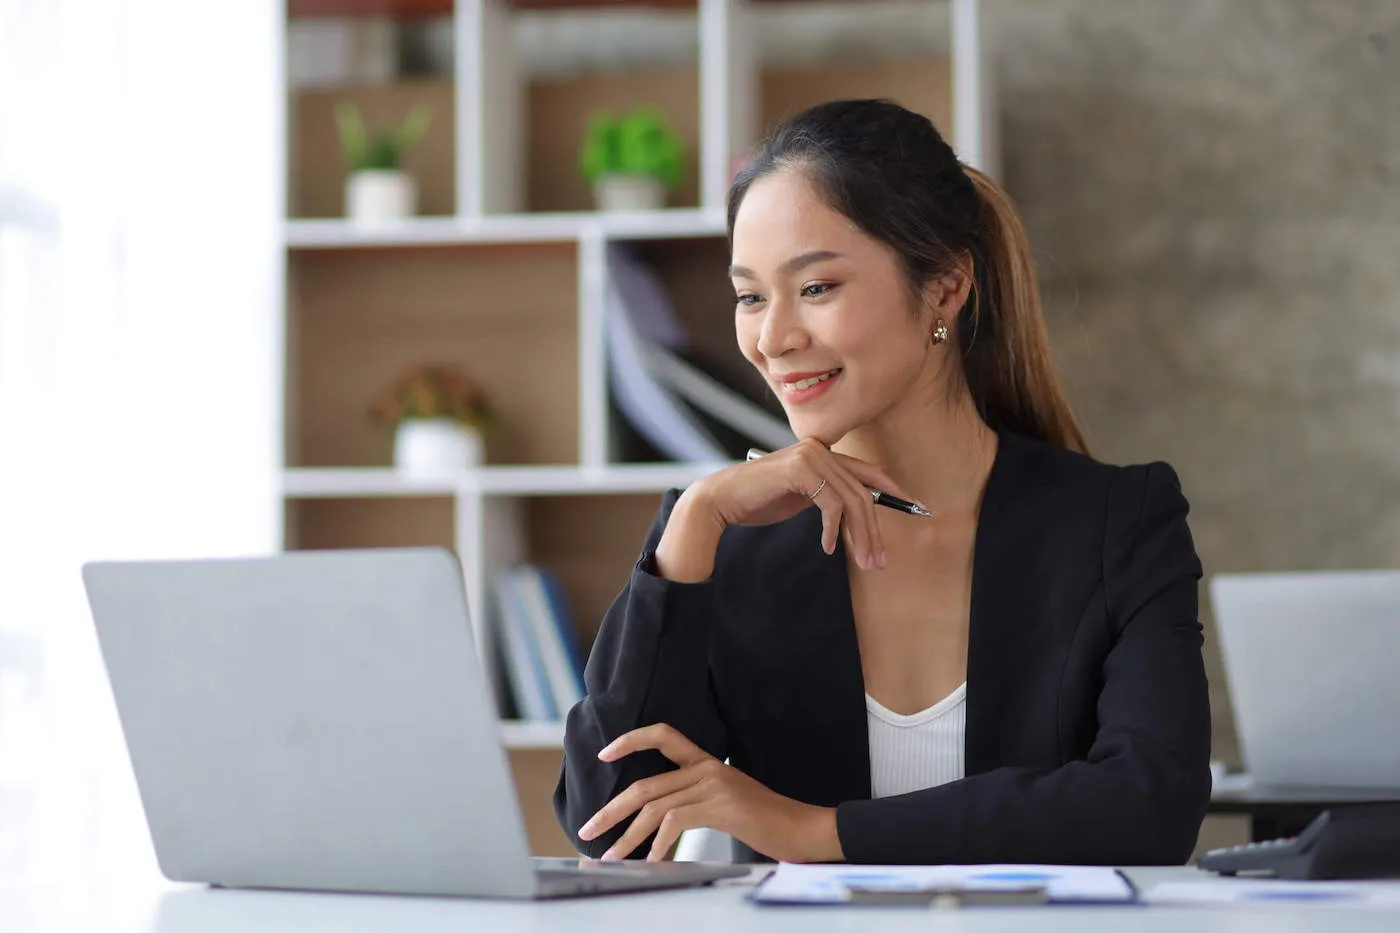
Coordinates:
[1017,678]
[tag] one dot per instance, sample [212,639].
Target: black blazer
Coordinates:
[1088,722]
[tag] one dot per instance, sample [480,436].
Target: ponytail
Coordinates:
[1005,347]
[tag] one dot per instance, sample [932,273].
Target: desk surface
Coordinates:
[194,909]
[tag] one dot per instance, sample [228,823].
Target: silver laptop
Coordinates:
[319,720]
[1313,662]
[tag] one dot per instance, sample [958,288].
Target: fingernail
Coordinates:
[609,856]
[586,830]
[882,560]
[605,753]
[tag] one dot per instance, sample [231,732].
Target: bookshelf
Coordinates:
[505,270]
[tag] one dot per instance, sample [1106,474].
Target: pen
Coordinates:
[881,498]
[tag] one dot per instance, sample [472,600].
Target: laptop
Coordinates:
[320,721]
[1313,663]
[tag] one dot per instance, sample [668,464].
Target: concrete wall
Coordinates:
[1213,191]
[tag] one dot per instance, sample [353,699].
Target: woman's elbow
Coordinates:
[1167,826]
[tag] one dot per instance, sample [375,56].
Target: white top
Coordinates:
[923,749]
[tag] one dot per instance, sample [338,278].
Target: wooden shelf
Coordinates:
[356,321]
[409,9]
[505,229]
[523,735]
[362,482]
[391,9]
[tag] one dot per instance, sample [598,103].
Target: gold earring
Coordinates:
[940,333]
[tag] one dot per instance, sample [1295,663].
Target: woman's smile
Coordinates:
[801,388]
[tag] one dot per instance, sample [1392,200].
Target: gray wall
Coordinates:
[1213,191]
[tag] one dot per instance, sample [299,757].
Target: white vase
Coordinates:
[434,446]
[377,196]
[628,193]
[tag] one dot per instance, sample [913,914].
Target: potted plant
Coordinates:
[438,414]
[631,160]
[377,188]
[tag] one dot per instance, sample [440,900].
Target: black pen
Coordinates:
[881,498]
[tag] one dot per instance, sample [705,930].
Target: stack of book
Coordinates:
[539,647]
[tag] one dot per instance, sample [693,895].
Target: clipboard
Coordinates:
[943,886]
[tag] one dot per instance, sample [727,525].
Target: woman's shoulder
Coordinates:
[1064,498]
[1056,469]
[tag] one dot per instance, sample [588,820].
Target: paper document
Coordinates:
[834,884]
[1264,892]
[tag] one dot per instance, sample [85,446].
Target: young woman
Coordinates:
[1017,678]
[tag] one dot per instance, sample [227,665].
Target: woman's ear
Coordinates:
[945,295]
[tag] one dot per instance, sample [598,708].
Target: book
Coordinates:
[524,666]
[564,680]
[564,620]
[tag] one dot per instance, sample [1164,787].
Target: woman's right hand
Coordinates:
[781,484]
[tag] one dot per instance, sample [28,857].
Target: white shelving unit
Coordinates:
[489,164]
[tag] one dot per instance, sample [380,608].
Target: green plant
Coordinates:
[434,390]
[365,151]
[641,142]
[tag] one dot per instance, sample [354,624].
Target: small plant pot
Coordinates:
[434,446]
[629,193]
[378,196]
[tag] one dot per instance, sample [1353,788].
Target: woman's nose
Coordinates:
[781,331]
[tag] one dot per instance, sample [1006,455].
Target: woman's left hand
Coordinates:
[705,792]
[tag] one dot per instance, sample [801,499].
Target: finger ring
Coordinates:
[815,492]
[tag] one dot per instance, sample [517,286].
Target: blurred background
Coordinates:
[327,273]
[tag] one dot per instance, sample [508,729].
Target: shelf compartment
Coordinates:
[693,274]
[923,85]
[591,544]
[588,541]
[316,169]
[357,319]
[321,524]
[547,71]
[557,115]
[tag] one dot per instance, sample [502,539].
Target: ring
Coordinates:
[815,492]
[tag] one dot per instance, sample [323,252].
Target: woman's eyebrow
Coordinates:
[795,264]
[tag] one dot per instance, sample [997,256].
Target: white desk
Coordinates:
[190,909]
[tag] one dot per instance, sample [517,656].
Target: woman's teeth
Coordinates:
[808,383]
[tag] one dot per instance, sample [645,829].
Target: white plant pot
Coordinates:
[377,196]
[629,193]
[434,446]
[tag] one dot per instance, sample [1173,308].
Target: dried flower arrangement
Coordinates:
[435,390]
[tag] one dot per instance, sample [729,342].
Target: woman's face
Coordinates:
[823,311]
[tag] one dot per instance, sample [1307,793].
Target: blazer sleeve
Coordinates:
[649,664]
[1141,793]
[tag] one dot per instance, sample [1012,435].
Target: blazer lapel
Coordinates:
[993,607]
[802,671]
[1015,560]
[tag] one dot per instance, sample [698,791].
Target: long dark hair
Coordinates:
[889,171]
